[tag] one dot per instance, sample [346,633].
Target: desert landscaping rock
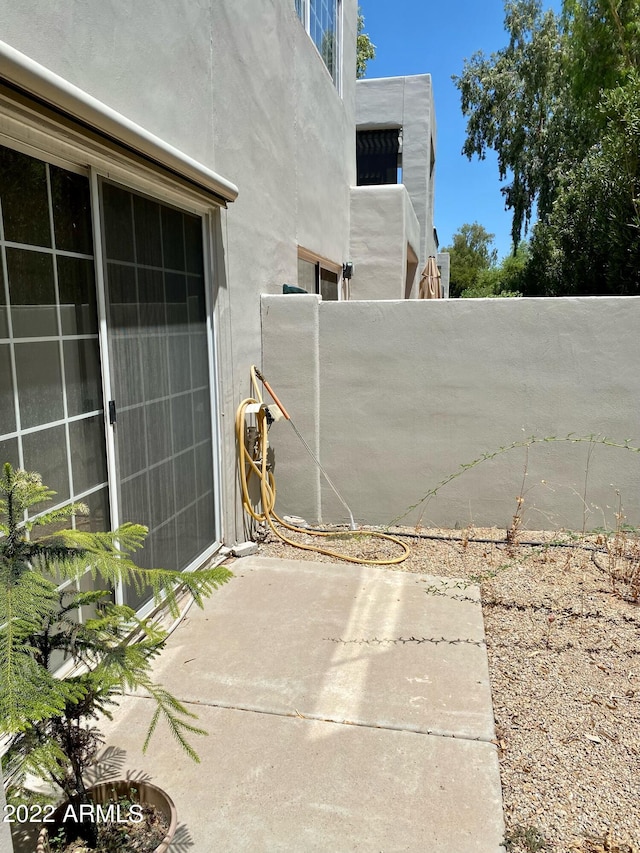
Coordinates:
[563,642]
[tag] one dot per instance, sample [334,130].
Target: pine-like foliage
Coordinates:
[49,720]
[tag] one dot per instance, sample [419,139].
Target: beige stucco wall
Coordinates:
[409,391]
[241,88]
[383,224]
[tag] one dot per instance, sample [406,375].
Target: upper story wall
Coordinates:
[241,88]
[407,103]
[238,86]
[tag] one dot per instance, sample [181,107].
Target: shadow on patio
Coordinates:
[346,710]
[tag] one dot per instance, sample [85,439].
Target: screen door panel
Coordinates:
[160,377]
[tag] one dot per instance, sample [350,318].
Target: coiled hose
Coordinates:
[253,463]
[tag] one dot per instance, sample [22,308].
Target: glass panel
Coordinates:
[187,535]
[204,467]
[172,239]
[4,325]
[130,423]
[127,370]
[7,406]
[179,363]
[25,205]
[185,478]
[161,376]
[118,223]
[32,293]
[134,503]
[206,522]
[155,367]
[159,443]
[201,416]
[193,244]
[88,461]
[161,493]
[71,211]
[151,297]
[146,216]
[196,303]
[39,383]
[164,546]
[9,452]
[87,584]
[181,422]
[199,361]
[82,374]
[49,529]
[77,290]
[123,297]
[28,208]
[328,284]
[307,275]
[323,31]
[45,451]
[176,290]
[99,517]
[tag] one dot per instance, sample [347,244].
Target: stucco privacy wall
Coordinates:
[241,88]
[407,392]
[383,224]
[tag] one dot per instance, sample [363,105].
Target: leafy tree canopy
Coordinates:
[366,50]
[560,105]
[470,254]
[505,279]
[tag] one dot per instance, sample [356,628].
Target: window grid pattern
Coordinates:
[159,355]
[321,19]
[51,410]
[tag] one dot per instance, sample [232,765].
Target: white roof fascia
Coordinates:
[31,77]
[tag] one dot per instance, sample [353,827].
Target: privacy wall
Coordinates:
[395,397]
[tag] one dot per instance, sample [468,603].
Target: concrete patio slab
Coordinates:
[271,783]
[357,643]
[348,709]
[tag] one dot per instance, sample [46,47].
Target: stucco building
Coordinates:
[161,167]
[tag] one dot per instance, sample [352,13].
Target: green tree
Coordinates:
[366,50]
[502,280]
[47,720]
[470,254]
[561,107]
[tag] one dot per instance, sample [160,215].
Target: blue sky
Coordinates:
[421,37]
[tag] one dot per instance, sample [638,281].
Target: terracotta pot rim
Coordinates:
[124,785]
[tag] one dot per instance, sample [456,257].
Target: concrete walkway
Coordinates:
[348,709]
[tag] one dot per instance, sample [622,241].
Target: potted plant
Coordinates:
[49,718]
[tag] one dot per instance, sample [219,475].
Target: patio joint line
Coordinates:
[295,714]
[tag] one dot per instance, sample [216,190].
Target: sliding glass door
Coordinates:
[156,316]
[154,337]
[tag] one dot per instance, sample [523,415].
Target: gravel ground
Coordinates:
[563,638]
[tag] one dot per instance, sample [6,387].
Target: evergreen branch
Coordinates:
[56,515]
[112,651]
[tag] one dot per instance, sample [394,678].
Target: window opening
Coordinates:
[379,157]
[314,276]
[321,19]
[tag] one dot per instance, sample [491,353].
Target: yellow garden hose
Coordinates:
[253,462]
